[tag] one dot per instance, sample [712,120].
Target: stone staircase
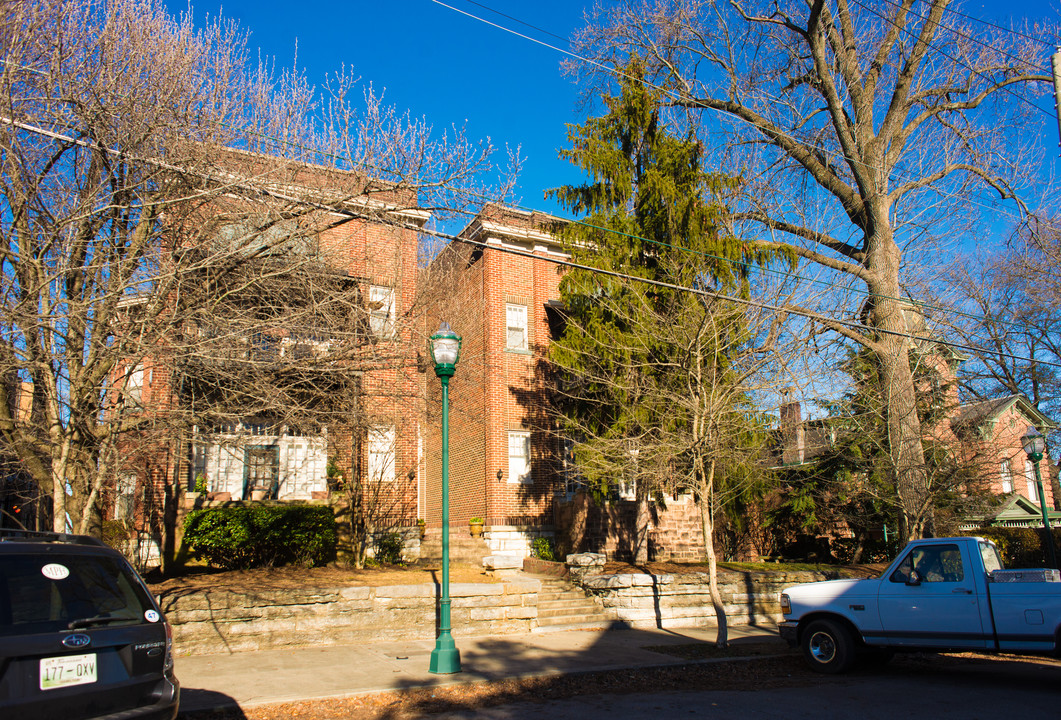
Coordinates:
[563,606]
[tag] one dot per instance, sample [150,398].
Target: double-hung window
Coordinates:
[519,469]
[381,311]
[515,326]
[1029,474]
[1006,473]
[381,453]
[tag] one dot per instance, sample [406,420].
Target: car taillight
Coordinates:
[786,605]
[167,666]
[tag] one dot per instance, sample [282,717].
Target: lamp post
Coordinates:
[445,349]
[1034,444]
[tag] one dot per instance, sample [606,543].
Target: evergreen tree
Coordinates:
[654,363]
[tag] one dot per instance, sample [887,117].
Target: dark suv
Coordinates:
[80,634]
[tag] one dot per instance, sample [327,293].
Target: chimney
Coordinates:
[791,429]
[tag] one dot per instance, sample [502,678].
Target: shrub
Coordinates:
[389,549]
[1019,547]
[235,538]
[543,548]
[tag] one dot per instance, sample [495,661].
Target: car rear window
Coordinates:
[55,592]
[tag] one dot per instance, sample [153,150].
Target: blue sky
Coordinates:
[453,69]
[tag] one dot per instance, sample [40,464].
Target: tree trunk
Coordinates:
[641,527]
[707,523]
[899,396]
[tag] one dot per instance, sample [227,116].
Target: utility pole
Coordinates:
[1055,63]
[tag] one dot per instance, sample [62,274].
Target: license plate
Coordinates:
[68,670]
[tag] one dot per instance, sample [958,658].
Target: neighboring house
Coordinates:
[985,437]
[991,434]
[293,399]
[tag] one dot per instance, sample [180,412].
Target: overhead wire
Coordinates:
[972,38]
[978,73]
[788,310]
[777,131]
[802,312]
[613,71]
[618,73]
[955,11]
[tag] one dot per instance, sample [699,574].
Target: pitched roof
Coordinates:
[978,413]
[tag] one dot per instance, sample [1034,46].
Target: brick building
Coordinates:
[300,382]
[499,292]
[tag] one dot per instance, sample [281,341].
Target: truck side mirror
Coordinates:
[914,578]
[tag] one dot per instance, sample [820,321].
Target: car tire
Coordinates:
[828,647]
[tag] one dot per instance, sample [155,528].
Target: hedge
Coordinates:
[1020,547]
[235,538]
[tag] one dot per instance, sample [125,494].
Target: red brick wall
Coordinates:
[675,532]
[495,390]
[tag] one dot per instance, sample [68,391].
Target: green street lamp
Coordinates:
[1034,445]
[445,349]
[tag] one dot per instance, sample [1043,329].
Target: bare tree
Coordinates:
[153,181]
[856,124]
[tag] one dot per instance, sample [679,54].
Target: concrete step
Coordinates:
[572,611]
[564,606]
[580,625]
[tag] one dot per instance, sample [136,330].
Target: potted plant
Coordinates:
[422,525]
[197,493]
[475,526]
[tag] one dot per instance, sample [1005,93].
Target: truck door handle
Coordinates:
[962,591]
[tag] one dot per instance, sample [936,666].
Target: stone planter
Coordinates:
[259,495]
[475,528]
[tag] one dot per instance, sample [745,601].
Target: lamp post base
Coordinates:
[445,658]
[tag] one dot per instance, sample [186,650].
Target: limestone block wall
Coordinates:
[212,621]
[675,601]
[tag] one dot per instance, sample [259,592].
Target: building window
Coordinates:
[125,497]
[1006,473]
[135,385]
[1029,474]
[381,311]
[519,469]
[516,327]
[381,453]
[261,470]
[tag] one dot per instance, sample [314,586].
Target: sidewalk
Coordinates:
[306,673]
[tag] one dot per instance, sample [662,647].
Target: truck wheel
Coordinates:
[828,647]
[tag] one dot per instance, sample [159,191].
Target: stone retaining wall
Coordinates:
[217,621]
[675,601]
[213,621]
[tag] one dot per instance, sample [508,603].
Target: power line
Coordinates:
[811,315]
[802,312]
[955,11]
[905,29]
[972,38]
[761,269]
[700,105]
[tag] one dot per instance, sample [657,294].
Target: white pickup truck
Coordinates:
[939,594]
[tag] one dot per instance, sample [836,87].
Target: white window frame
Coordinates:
[125,497]
[1029,474]
[1006,473]
[519,461]
[381,319]
[515,322]
[379,448]
[134,386]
